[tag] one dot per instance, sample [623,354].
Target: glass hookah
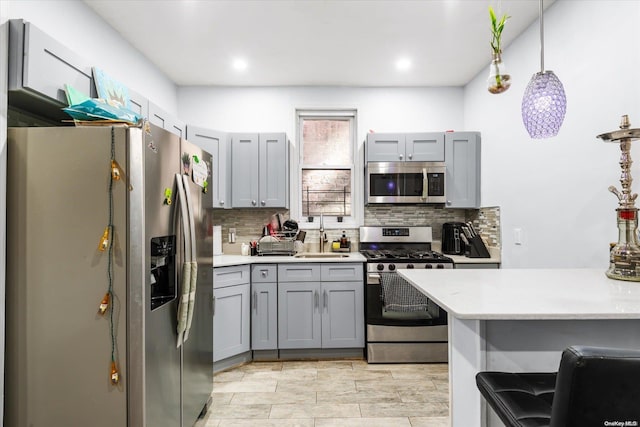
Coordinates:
[625,255]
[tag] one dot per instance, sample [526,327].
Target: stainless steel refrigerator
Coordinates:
[67,188]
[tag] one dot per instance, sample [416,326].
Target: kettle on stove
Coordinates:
[452,243]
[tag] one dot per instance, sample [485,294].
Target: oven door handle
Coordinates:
[425,184]
[373,279]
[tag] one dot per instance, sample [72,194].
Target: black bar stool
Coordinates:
[594,387]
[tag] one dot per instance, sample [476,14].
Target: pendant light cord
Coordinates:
[541,39]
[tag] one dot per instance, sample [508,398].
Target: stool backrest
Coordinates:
[597,387]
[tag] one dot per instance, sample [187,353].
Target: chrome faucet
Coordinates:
[323,236]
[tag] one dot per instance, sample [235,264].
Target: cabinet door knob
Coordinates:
[221,202]
[401,156]
[263,203]
[264,273]
[253,202]
[410,156]
[448,202]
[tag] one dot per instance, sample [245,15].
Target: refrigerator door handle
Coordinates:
[191,241]
[183,305]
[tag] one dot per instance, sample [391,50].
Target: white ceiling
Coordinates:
[316,42]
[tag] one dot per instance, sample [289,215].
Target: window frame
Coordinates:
[329,222]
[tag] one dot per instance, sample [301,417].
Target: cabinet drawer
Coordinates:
[298,272]
[229,276]
[264,273]
[341,272]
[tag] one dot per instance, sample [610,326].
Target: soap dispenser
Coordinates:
[344,243]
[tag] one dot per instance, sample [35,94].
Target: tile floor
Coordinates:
[330,393]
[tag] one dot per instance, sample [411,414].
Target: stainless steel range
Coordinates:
[403,325]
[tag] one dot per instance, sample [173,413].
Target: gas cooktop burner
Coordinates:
[404,255]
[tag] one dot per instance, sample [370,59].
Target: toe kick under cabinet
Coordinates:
[320,305]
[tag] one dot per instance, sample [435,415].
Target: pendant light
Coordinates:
[544,103]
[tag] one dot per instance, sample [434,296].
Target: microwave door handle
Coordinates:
[425,184]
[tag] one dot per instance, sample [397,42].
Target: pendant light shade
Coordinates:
[544,103]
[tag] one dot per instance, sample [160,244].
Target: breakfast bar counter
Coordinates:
[520,320]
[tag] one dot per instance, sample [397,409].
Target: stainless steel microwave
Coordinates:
[405,182]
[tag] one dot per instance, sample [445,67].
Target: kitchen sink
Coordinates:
[320,255]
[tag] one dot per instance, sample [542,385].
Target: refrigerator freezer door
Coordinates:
[58,348]
[162,357]
[197,380]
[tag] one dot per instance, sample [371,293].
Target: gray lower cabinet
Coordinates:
[231,316]
[462,159]
[264,307]
[320,306]
[299,318]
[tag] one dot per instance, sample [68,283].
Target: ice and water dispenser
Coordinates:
[163,270]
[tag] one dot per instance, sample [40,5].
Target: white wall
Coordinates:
[555,189]
[273,109]
[268,109]
[75,25]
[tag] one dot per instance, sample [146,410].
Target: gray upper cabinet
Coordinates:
[244,170]
[385,147]
[39,66]
[217,144]
[462,158]
[166,121]
[139,104]
[424,147]
[259,170]
[400,147]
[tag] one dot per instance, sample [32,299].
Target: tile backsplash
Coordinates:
[249,223]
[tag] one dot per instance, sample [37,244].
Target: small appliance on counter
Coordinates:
[452,243]
[460,238]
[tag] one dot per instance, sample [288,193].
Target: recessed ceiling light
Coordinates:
[240,64]
[403,64]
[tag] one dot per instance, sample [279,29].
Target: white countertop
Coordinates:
[528,293]
[227,260]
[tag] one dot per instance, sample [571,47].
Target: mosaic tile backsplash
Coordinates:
[249,223]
